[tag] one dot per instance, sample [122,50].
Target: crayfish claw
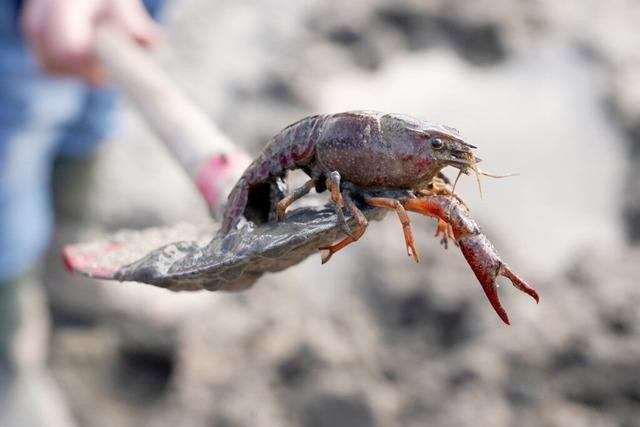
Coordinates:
[487,266]
[518,282]
[491,291]
[476,248]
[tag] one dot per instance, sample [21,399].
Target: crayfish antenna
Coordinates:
[479,172]
[453,190]
[495,175]
[478,181]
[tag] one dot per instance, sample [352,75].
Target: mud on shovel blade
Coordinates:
[232,262]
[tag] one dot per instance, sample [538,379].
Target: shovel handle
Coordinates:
[209,157]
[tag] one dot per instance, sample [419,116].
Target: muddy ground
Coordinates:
[546,89]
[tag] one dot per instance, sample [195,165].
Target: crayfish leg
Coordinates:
[299,192]
[361,226]
[422,206]
[330,250]
[444,228]
[385,202]
[333,185]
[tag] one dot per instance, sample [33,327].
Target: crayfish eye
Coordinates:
[437,143]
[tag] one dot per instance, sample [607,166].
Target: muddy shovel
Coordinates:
[189,257]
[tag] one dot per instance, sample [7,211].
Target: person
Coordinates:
[53,104]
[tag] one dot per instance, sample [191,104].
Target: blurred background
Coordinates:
[549,90]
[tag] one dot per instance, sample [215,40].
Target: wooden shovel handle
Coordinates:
[202,150]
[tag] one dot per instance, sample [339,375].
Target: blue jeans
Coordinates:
[41,119]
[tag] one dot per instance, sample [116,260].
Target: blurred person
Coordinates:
[50,108]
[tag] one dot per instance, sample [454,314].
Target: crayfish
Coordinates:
[383,160]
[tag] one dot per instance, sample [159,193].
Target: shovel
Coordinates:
[185,256]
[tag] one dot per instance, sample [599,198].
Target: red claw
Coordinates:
[476,248]
[487,266]
[518,282]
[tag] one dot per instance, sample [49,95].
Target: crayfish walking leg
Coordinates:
[283,204]
[476,248]
[361,226]
[333,185]
[389,203]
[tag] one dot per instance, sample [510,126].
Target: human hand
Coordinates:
[60,32]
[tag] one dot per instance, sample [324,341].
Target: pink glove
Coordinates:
[60,32]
